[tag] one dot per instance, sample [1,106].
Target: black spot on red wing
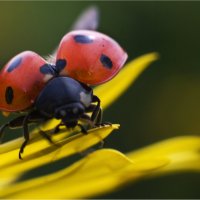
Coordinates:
[106,61]
[83,39]
[9,95]
[48,69]
[14,64]
[60,65]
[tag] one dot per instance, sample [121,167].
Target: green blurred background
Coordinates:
[164,101]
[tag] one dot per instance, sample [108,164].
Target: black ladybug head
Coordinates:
[62,97]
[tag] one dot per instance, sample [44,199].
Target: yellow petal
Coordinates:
[183,154]
[101,171]
[111,90]
[40,152]
[105,170]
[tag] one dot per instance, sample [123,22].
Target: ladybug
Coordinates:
[91,57]
[41,90]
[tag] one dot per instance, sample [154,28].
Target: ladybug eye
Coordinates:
[62,113]
[75,110]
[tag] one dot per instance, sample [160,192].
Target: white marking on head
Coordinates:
[85,99]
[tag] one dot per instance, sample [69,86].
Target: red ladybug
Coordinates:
[31,85]
[91,57]
[42,90]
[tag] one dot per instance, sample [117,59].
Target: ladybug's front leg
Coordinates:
[26,134]
[32,117]
[97,112]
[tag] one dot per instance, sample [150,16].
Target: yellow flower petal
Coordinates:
[105,170]
[100,171]
[182,152]
[111,90]
[39,152]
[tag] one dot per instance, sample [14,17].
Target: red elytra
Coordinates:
[21,81]
[92,57]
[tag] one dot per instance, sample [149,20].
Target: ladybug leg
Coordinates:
[85,118]
[98,120]
[32,117]
[57,128]
[96,117]
[26,134]
[47,137]
[97,112]
[15,123]
[72,124]
[99,117]
[83,129]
